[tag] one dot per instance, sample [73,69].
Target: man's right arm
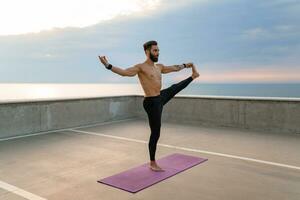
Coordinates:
[131,71]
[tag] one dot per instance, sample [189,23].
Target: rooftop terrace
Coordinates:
[58,149]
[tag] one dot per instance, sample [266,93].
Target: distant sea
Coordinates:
[36,91]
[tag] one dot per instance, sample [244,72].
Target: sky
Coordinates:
[229,41]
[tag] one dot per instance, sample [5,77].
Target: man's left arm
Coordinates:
[174,68]
[171,68]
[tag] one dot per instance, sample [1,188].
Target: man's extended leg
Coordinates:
[171,91]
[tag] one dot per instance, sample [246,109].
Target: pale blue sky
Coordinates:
[228,40]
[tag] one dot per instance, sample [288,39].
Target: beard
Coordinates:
[153,58]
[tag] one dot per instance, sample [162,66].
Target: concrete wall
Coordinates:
[20,118]
[265,114]
[280,115]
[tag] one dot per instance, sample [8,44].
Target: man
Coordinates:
[149,75]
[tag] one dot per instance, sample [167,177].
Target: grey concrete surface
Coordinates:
[66,165]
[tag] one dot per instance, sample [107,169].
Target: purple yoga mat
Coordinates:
[141,177]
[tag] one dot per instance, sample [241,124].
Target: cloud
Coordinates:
[285,7]
[281,3]
[245,73]
[35,16]
[220,36]
[255,33]
[275,32]
[247,76]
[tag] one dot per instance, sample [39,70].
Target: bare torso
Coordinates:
[150,79]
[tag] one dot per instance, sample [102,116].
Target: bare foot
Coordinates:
[195,72]
[153,166]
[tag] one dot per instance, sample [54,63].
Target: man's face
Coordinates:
[154,53]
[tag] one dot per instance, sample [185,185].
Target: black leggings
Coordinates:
[153,105]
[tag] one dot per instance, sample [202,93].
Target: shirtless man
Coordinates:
[149,75]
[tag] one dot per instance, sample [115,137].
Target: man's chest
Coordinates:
[152,72]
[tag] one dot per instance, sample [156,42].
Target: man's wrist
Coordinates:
[108,66]
[181,66]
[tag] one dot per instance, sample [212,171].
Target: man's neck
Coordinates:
[150,62]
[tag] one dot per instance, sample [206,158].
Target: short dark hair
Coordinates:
[149,44]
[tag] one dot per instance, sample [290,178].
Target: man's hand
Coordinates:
[189,65]
[103,60]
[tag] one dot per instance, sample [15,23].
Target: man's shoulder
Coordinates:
[160,65]
[139,64]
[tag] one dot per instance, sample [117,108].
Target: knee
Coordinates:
[156,132]
[154,137]
[156,128]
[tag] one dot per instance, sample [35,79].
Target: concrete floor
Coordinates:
[66,165]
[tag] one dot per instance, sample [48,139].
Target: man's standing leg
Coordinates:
[153,107]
